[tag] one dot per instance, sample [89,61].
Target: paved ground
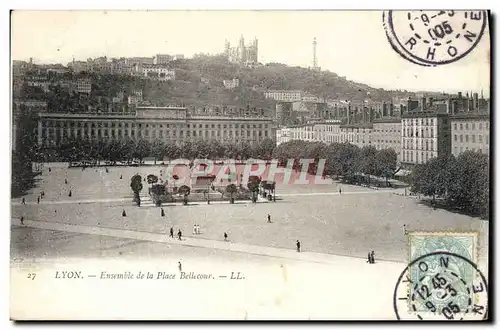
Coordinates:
[289,285]
[86,232]
[359,220]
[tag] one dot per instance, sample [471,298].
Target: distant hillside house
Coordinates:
[231,83]
[284,95]
[135,98]
[118,98]
[162,59]
[83,86]
[156,72]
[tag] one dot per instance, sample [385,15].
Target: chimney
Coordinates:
[423,104]
[459,95]
[476,101]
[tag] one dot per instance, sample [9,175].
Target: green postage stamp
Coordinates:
[443,279]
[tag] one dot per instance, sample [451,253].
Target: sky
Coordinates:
[350,43]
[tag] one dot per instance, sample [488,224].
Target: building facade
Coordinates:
[303,132]
[169,124]
[387,135]
[284,95]
[282,135]
[231,83]
[163,59]
[424,136]
[84,86]
[357,134]
[327,131]
[156,72]
[470,131]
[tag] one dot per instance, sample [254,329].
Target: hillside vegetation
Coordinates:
[188,87]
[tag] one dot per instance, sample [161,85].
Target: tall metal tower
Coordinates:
[315,60]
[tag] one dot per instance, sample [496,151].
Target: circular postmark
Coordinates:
[431,287]
[431,38]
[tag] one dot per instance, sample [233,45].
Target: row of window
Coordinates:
[148,133]
[473,138]
[472,125]
[133,125]
[387,141]
[418,121]
[456,150]
[424,157]
[410,144]
[410,132]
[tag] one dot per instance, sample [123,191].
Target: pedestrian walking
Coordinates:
[373,257]
[225,237]
[298,245]
[38,200]
[124,214]
[23,201]
[340,191]
[179,235]
[369,258]
[69,193]
[121,176]
[50,169]
[65,181]
[404,229]
[268,218]
[22,220]
[194,229]
[172,232]
[198,229]
[162,212]
[180,266]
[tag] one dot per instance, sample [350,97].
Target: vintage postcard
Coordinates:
[250,165]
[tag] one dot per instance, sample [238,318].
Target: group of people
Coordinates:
[371,257]
[196,229]
[179,234]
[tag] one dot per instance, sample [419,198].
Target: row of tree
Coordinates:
[461,182]
[342,159]
[128,150]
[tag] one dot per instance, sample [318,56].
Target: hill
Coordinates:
[199,81]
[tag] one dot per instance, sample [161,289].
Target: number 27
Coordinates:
[32,276]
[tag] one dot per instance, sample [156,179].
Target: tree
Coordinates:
[342,159]
[157,191]
[136,185]
[253,185]
[184,191]
[231,189]
[142,150]
[172,151]
[368,161]
[386,160]
[152,179]
[468,186]
[158,150]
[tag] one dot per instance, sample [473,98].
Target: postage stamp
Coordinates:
[431,38]
[442,279]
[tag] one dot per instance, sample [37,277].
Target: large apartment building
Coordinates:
[387,134]
[470,131]
[170,124]
[425,135]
